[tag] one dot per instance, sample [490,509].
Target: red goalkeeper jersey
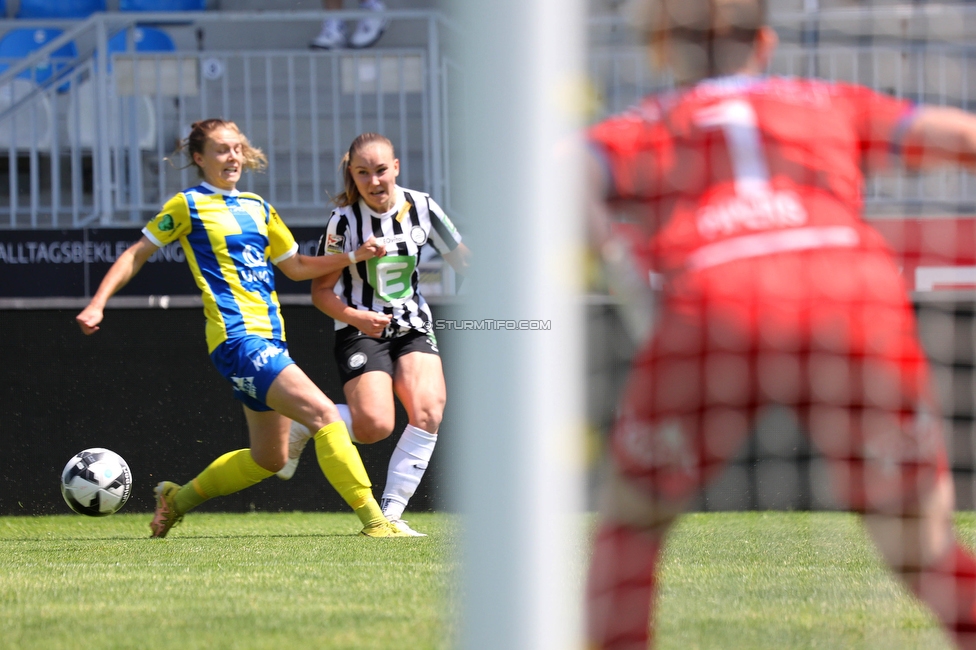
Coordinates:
[778,291]
[743,166]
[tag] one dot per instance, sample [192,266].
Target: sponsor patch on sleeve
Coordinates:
[333,243]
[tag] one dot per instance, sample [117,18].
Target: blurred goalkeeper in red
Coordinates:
[747,191]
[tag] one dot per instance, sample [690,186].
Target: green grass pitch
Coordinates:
[222,581]
[251,581]
[773,580]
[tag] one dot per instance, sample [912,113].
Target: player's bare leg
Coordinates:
[418,382]
[369,416]
[295,396]
[268,435]
[920,547]
[230,473]
[307,417]
[370,400]
[622,581]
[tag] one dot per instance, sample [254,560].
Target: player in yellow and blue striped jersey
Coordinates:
[230,239]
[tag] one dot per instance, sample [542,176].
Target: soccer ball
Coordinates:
[96,482]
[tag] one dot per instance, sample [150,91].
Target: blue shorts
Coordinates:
[251,364]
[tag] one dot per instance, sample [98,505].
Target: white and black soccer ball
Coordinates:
[96,482]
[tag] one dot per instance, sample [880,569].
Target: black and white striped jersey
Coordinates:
[389,284]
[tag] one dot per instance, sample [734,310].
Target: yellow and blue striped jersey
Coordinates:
[229,237]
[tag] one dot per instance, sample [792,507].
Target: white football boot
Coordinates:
[393,512]
[298,437]
[405,529]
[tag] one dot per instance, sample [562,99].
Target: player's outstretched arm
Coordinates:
[939,135]
[307,267]
[370,323]
[459,259]
[123,270]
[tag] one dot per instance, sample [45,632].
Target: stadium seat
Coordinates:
[162,5]
[59,8]
[32,124]
[19,43]
[139,120]
[145,39]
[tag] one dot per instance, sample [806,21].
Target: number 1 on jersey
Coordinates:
[737,119]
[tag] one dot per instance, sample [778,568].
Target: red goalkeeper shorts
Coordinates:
[828,332]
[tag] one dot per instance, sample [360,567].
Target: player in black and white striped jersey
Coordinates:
[385,344]
[391,286]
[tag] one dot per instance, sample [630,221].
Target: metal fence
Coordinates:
[93,144]
[917,52]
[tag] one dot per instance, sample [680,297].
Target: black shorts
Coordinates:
[356,353]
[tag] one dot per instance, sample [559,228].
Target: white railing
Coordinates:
[910,52]
[94,144]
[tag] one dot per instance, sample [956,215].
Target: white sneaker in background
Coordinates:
[369,30]
[332,36]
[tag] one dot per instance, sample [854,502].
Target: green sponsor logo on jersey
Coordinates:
[450,224]
[166,223]
[390,276]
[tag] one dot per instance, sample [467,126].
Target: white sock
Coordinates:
[407,466]
[300,429]
[346,416]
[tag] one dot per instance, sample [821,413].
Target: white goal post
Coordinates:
[520,475]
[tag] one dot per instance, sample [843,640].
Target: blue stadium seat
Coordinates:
[3,9]
[59,8]
[18,43]
[145,39]
[162,5]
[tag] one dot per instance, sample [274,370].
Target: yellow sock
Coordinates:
[342,466]
[189,497]
[230,473]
